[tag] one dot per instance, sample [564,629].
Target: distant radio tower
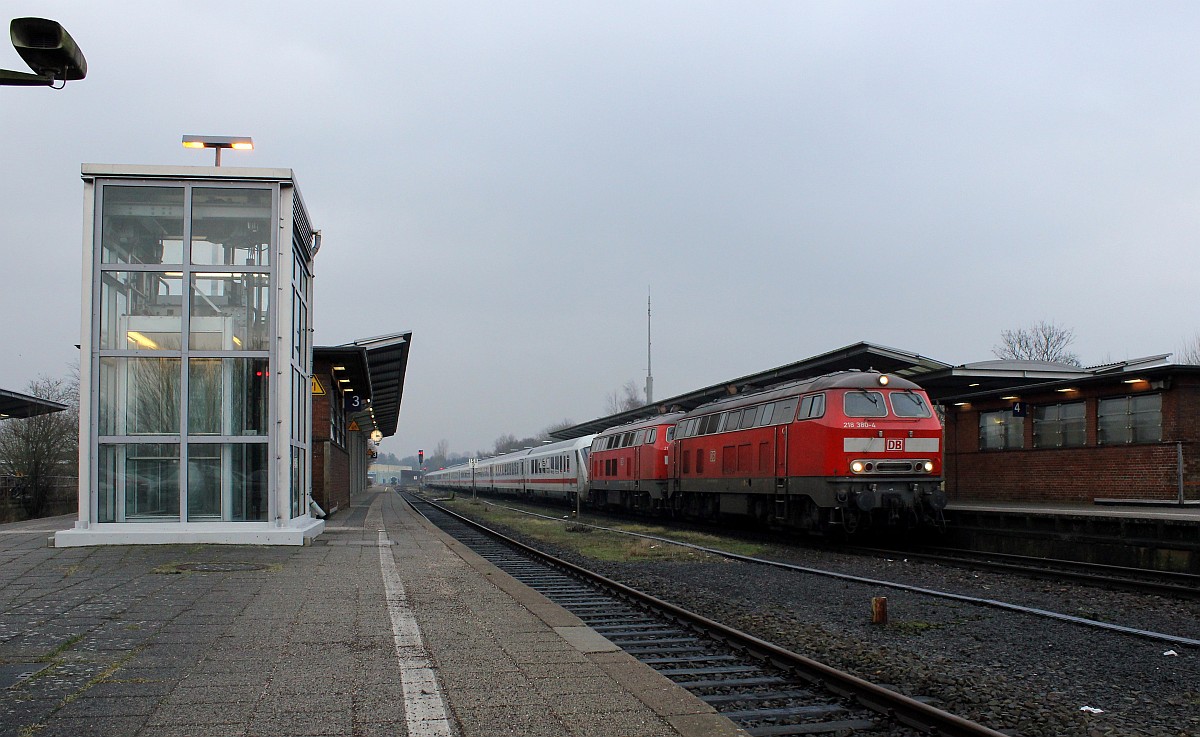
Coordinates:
[649,375]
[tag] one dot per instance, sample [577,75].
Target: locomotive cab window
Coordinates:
[864,404]
[651,434]
[909,404]
[811,407]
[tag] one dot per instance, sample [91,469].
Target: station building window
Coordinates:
[1059,426]
[1129,419]
[999,430]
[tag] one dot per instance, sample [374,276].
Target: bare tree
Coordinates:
[1190,353]
[560,425]
[39,448]
[1042,341]
[626,398]
[508,442]
[504,443]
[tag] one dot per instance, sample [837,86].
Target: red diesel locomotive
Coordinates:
[837,452]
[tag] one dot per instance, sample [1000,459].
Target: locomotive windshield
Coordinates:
[864,404]
[909,404]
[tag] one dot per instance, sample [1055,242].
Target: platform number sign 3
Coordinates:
[895,444]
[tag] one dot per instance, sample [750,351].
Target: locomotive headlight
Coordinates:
[883,380]
[857,467]
[927,466]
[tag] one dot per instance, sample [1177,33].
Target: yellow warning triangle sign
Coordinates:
[316,387]
[353,426]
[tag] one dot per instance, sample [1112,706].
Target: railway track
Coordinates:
[1143,586]
[765,689]
[1141,580]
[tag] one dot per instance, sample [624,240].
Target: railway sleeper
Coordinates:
[819,711]
[709,671]
[729,682]
[724,698]
[847,726]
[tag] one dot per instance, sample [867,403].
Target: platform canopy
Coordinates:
[860,356]
[984,378]
[16,405]
[942,381]
[378,364]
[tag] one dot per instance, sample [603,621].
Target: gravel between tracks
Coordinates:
[1016,673]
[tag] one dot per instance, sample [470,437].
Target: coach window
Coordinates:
[1059,426]
[811,407]
[637,439]
[1001,431]
[864,404]
[1132,419]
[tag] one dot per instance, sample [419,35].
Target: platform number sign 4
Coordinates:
[895,445]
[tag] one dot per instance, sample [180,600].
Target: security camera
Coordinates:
[48,49]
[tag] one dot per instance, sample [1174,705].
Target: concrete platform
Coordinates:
[382,626]
[1162,537]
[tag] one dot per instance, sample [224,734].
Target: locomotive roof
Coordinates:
[669,418]
[852,379]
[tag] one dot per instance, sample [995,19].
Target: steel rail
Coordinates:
[1188,585]
[897,706]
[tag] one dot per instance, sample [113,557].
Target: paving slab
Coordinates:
[382,626]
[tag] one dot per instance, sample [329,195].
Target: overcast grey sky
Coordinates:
[506,180]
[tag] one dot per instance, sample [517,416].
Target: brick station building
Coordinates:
[1041,432]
